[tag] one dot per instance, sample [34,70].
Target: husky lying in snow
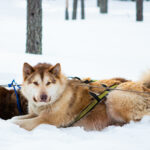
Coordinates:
[53,99]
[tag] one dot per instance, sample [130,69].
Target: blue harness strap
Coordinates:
[14,85]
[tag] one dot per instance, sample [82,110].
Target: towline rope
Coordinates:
[103,86]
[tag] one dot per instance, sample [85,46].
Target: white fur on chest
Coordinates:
[37,108]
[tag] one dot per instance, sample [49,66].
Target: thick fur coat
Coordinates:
[8,104]
[55,100]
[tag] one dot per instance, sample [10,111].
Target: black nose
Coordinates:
[43,97]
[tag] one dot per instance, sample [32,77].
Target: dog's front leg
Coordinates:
[29,124]
[28,116]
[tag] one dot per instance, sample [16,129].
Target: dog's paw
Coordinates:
[23,124]
[12,120]
[16,118]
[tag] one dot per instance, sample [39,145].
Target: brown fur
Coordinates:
[8,104]
[119,108]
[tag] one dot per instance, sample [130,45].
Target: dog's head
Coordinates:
[42,83]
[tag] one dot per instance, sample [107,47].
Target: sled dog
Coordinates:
[54,99]
[8,103]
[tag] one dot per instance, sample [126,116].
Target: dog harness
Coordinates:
[97,99]
[14,85]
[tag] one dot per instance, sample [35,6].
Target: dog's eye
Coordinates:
[48,83]
[35,83]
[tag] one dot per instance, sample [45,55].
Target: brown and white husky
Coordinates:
[56,100]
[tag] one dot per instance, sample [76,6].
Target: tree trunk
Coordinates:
[34,27]
[67,10]
[98,3]
[74,14]
[139,10]
[82,10]
[103,6]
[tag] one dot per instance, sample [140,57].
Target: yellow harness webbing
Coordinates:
[97,99]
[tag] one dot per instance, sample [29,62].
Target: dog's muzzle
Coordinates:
[43,98]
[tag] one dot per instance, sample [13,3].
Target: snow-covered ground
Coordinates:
[133,136]
[102,46]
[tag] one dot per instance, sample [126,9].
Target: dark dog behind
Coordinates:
[8,104]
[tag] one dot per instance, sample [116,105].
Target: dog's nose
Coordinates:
[43,97]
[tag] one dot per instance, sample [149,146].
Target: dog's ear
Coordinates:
[27,70]
[56,70]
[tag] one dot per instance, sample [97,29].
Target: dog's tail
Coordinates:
[145,78]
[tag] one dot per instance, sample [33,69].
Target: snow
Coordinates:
[102,46]
[130,136]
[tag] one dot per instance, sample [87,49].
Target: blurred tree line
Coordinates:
[103,5]
[34,19]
